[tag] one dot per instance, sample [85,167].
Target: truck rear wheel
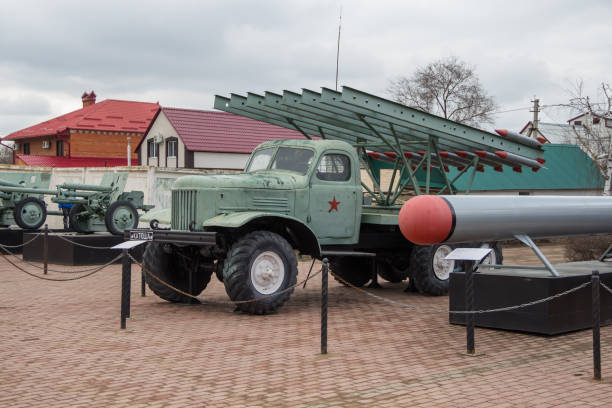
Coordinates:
[429,270]
[393,269]
[173,268]
[259,265]
[354,270]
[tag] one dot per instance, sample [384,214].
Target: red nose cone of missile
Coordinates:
[426,220]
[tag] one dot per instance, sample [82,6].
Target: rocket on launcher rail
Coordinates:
[427,219]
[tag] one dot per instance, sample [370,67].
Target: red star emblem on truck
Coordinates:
[333,205]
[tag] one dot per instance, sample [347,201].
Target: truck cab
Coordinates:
[327,194]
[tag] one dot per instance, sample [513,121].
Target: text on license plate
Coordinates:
[141,235]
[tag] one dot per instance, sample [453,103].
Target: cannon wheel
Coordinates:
[30,213]
[77,223]
[120,216]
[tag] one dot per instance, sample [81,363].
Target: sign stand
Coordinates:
[126,278]
[470,257]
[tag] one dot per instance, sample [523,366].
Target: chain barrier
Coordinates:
[82,245]
[24,244]
[21,260]
[606,287]
[231,302]
[67,279]
[465,312]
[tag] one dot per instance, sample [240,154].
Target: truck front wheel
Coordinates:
[173,265]
[260,265]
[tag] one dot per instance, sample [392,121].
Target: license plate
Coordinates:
[141,235]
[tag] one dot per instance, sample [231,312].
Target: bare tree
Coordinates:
[6,153]
[594,135]
[448,88]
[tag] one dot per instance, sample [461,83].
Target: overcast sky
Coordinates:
[182,53]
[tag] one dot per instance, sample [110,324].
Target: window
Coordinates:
[26,148]
[153,148]
[260,159]
[171,147]
[286,158]
[596,121]
[334,167]
[292,159]
[577,123]
[59,148]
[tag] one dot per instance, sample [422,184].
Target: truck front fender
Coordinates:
[292,228]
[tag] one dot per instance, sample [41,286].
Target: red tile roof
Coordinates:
[108,115]
[212,131]
[62,161]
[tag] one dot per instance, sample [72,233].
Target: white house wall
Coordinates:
[212,160]
[162,126]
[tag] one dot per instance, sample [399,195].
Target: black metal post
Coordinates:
[126,278]
[46,248]
[142,283]
[324,269]
[596,325]
[469,306]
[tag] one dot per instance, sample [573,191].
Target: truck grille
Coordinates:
[183,209]
[270,204]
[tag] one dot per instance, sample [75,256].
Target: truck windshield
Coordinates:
[286,158]
[260,160]
[290,158]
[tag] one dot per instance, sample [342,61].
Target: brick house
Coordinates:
[96,135]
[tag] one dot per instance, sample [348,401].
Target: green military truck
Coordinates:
[307,197]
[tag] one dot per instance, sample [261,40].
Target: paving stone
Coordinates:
[62,346]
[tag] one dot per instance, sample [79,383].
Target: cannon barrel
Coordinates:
[88,187]
[9,184]
[427,219]
[9,189]
[69,200]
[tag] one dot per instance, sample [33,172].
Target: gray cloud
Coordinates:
[181,53]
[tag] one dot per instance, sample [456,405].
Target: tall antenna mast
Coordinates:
[338,51]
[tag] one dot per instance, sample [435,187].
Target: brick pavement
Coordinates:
[61,347]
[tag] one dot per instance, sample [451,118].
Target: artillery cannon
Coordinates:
[21,199]
[104,207]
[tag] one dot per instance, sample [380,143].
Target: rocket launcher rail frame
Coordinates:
[380,125]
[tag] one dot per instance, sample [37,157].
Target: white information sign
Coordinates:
[468,254]
[128,244]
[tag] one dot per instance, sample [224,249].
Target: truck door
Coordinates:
[334,197]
